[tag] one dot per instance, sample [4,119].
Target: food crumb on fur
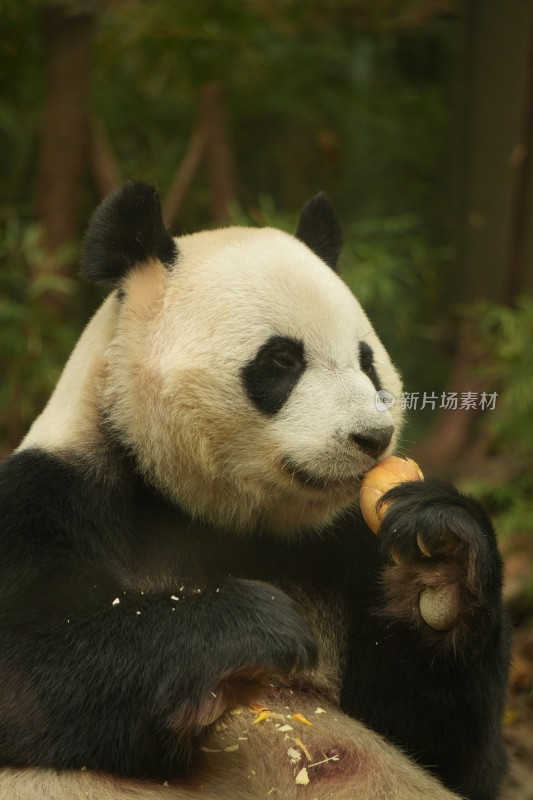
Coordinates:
[294,755]
[301,718]
[324,761]
[302,779]
[306,751]
[267,715]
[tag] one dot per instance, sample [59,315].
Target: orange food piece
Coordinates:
[263,715]
[256,708]
[388,473]
[300,718]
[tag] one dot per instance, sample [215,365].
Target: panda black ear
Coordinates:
[126,229]
[319,228]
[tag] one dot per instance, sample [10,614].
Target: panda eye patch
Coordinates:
[272,374]
[366,357]
[285,359]
[366,361]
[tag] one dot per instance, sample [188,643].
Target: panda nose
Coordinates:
[373,441]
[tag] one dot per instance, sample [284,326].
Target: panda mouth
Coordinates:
[311,481]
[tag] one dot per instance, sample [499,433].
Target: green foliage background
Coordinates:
[331,95]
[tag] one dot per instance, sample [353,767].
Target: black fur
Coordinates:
[87,681]
[373,441]
[366,360]
[126,229]
[319,228]
[123,621]
[270,377]
[84,682]
[447,688]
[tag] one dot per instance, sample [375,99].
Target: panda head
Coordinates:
[242,372]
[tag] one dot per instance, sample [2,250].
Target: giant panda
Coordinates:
[181,538]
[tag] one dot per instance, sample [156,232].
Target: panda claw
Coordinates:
[422,546]
[394,554]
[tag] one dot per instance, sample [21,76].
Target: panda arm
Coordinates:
[438,692]
[96,675]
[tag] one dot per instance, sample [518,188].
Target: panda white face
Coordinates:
[245,379]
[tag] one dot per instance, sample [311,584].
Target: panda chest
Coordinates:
[171,552]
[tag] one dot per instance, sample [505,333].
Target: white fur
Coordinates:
[164,367]
[68,421]
[174,392]
[368,768]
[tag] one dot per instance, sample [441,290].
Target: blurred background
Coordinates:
[416,116]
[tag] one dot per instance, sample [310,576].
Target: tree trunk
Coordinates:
[520,276]
[105,167]
[64,136]
[219,154]
[492,141]
[210,139]
[188,166]
[493,192]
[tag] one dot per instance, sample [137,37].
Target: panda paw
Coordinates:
[445,569]
[278,635]
[268,638]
